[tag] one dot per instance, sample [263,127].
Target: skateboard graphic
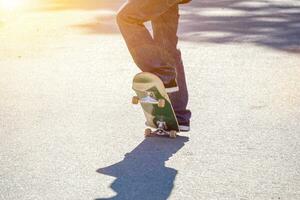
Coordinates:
[156,105]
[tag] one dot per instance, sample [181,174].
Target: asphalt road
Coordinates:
[68,129]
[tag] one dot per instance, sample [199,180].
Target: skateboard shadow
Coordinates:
[142,174]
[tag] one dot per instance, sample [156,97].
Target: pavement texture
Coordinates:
[68,129]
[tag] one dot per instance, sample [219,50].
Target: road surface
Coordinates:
[69,131]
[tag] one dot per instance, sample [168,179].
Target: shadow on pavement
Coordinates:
[274,24]
[143,174]
[266,23]
[103,24]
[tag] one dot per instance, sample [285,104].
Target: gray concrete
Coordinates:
[68,130]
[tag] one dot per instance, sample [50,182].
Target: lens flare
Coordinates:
[10,4]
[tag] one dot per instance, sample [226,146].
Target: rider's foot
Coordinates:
[184,127]
[168,76]
[171,86]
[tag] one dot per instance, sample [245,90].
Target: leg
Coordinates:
[146,53]
[165,35]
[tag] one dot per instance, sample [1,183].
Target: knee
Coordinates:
[128,14]
[123,15]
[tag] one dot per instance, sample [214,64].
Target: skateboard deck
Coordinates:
[156,105]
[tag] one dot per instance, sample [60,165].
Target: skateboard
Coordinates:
[156,105]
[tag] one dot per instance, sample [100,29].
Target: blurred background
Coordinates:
[270,23]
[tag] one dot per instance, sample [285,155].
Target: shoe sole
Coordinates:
[184,128]
[172,89]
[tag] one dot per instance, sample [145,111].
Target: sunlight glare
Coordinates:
[11,4]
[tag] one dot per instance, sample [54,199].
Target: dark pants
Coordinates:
[157,54]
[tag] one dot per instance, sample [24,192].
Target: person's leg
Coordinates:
[165,35]
[146,53]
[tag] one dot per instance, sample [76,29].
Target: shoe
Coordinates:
[168,76]
[184,127]
[171,86]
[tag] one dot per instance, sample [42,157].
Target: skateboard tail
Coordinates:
[150,90]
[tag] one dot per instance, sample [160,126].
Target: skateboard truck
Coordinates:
[161,127]
[149,100]
[161,130]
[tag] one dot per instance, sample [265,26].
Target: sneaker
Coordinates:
[184,128]
[171,86]
[168,76]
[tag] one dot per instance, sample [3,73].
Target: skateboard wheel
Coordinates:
[135,100]
[161,103]
[148,132]
[173,134]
